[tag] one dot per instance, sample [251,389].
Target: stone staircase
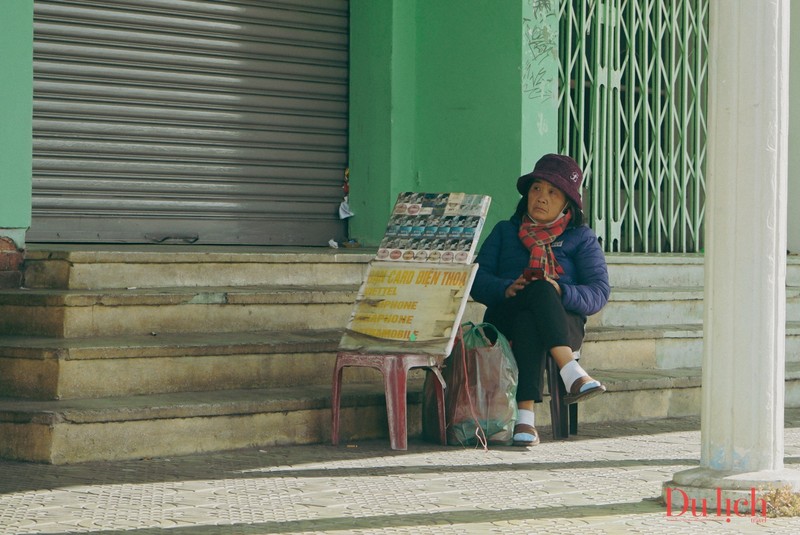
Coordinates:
[125,352]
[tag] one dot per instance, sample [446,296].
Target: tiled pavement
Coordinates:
[606,480]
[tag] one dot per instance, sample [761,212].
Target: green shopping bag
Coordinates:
[481,388]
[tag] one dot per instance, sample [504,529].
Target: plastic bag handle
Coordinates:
[481,330]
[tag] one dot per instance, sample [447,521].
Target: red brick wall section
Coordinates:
[10,263]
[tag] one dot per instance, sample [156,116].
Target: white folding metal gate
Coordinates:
[632,110]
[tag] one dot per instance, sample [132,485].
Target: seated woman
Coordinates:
[541,273]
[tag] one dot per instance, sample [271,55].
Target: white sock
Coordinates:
[525,417]
[571,372]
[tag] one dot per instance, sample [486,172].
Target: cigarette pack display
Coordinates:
[434,227]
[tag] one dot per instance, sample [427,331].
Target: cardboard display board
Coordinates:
[417,287]
[409,307]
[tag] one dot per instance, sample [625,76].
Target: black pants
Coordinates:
[534,320]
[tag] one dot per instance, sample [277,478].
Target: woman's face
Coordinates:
[545,201]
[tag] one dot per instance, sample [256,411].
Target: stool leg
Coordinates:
[573,419]
[440,409]
[336,398]
[395,376]
[558,415]
[563,408]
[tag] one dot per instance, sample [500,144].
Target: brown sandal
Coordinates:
[575,395]
[528,429]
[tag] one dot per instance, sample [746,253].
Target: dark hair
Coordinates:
[577,214]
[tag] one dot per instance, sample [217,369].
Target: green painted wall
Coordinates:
[468,98]
[370,138]
[440,102]
[16,88]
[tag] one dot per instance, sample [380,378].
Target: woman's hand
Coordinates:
[554,283]
[522,282]
[515,287]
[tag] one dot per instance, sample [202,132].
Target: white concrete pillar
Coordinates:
[745,255]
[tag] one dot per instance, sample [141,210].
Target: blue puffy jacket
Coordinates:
[584,283]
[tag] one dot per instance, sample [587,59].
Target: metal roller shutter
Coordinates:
[189,121]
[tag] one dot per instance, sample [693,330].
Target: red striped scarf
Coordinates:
[537,237]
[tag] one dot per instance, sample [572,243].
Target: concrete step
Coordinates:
[122,302]
[113,312]
[51,368]
[650,348]
[641,307]
[137,351]
[643,271]
[142,266]
[671,270]
[72,431]
[793,270]
[638,307]
[659,347]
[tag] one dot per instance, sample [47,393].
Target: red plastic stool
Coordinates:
[563,416]
[394,368]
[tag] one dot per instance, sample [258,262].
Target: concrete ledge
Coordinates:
[696,259]
[657,293]
[180,295]
[47,369]
[75,313]
[176,344]
[65,368]
[150,426]
[169,345]
[132,253]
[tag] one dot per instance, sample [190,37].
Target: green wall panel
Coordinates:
[370,138]
[468,99]
[16,87]
[442,99]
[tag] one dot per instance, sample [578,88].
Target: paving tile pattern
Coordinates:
[606,480]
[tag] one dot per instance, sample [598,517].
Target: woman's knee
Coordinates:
[538,293]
